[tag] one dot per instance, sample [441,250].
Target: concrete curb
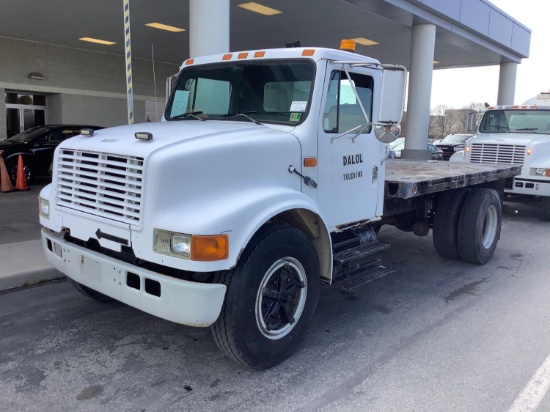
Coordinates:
[17,280]
[24,264]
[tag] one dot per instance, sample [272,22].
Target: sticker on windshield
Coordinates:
[179,104]
[295,117]
[298,106]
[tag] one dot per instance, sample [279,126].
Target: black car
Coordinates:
[452,143]
[397,146]
[37,146]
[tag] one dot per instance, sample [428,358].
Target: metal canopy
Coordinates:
[469,32]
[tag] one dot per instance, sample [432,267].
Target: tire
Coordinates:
[445,224]
[90,293]
[546,208]
[259,324]
[479,226]
[12,166]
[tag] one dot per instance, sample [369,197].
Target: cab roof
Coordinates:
[314,53]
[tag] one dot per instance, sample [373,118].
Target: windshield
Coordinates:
[516,121]
[456,138]
[270,91]
[29,134]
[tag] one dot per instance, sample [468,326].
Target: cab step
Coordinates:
[357,253]
[363,275]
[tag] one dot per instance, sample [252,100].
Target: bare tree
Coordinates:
[442,121]
[477,110]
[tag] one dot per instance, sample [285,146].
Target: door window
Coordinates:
[342,110]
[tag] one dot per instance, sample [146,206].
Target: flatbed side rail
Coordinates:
[407,179]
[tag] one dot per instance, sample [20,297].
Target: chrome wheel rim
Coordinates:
[281,298]
[490,224]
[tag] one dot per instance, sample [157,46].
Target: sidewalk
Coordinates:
[24,264]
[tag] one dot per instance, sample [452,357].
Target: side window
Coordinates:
[342,110]
[59,135]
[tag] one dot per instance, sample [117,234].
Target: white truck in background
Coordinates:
[268,176]
[517,135]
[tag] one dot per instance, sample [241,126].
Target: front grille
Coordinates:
[497,153]
[101,184]
[448,151]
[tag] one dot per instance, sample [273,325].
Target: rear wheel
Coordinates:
[479,226]
[546,208]
[445,225]
[86,291]
[271,297]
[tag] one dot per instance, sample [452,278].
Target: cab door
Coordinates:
[350,166]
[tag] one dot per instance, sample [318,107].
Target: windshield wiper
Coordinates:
[246,115]
[189,114]
[527,129]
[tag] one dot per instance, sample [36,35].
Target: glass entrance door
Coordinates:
[24,111]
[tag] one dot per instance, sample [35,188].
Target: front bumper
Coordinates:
[532,187]
[176,300]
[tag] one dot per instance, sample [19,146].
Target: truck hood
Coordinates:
[524,139]
[122,140]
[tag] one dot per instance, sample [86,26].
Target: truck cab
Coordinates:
[517,135]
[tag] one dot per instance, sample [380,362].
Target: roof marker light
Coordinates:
[259,54]
[347,44]
[189,61]
[308,52]
[227,56]
[87,132]
[144,135]
[242,55]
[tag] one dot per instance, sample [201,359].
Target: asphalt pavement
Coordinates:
[437,335]
[22,259]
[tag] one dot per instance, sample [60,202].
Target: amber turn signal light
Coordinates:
[209,248]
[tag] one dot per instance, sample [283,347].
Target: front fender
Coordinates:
[240,215]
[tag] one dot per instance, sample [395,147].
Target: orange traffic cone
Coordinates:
[21,182]
[5,181]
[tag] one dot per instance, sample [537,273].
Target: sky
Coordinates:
[533,74]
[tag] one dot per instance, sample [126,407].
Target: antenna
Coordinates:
[154,77]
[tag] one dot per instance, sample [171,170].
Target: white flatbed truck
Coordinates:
[267,177]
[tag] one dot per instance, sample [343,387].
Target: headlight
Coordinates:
[172,244]
[539,172]
[44,207]
[200,248]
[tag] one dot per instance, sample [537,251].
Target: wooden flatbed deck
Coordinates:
[406,179]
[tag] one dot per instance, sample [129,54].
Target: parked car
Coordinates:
[452,143]
[37,146]
[399,144]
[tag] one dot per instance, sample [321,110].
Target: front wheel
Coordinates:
[12,167]
[271,297]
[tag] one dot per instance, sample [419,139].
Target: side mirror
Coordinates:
[392,98]
[384,134]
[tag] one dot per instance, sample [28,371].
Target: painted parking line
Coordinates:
[532,395]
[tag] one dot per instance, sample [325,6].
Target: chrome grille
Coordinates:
[101,184]
[497,153]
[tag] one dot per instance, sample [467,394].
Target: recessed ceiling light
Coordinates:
[165,27]
[364,41]
[258,8]
[98,41]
